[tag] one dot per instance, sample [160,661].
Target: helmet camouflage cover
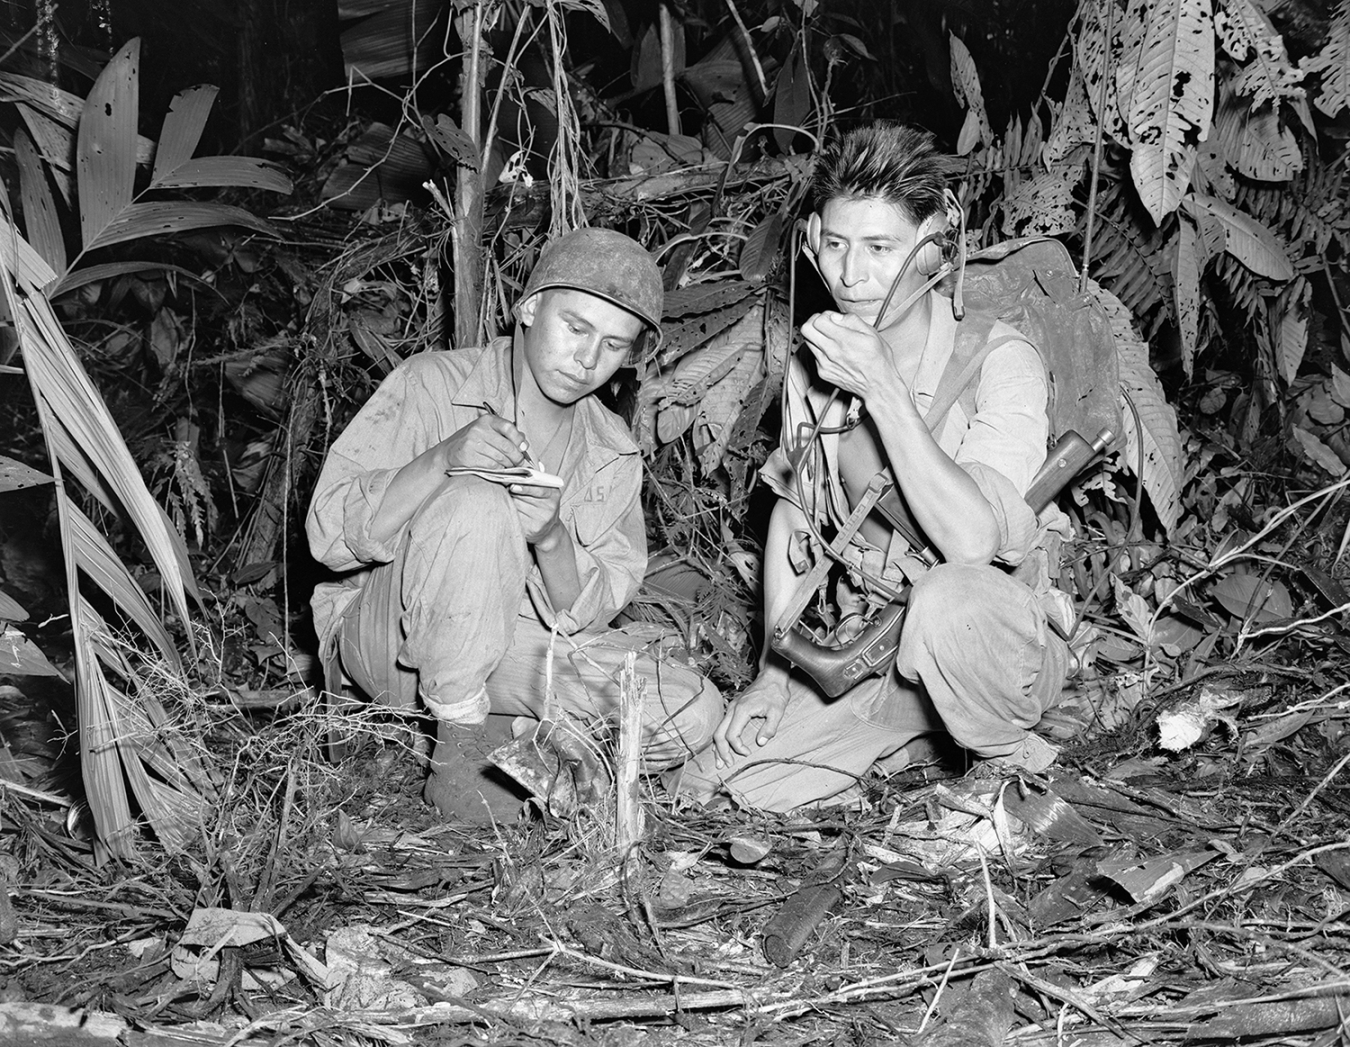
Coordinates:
[607,264]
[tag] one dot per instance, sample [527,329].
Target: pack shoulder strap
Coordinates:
[973,346]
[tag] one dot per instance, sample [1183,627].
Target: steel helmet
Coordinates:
[607,264]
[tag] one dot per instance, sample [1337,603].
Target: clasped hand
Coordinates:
[849,352]
[492,442]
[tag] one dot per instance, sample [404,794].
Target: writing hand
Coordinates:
[488,442]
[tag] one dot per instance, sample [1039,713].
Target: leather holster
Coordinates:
[837,669]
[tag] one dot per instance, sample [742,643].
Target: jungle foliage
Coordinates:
[1189,153]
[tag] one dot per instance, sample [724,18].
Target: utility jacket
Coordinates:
[1001,446]
[429,398]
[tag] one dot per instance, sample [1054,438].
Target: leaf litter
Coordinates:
[1129,895]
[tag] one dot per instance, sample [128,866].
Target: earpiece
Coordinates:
[813,233]
[945,224]
[929,259]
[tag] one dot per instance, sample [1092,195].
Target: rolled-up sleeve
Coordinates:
[610,538]
[357,472]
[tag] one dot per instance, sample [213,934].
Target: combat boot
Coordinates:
[463,784]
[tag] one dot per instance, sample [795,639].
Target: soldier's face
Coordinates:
[863,244]
[574,341]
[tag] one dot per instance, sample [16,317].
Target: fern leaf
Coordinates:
[1171,99]
[1156,431]
[1255,142]
[1243,286]
[1269,77]
[1333,62]
[1129,259]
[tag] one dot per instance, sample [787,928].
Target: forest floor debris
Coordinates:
[1129,895]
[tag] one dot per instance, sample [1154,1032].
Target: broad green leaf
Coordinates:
[1072,125]
[1252,597]
[453,142]
[15,476]
[791,98]
[1044,205]
[1340,386]
[1134,611]
[966,85]
[1333,62]
[392,42]
[182,130]
[54,140]
[164,218]
[106,151]
[760,251]
[593,7]
[1247,240]
[719,409]
[1186,280]
[645,68]
[1157,433]
[19,656]
[18,257]
[1172,99]
[40,219]
[65,390]
[63,107]
[1256,142]
[1319,453]
[1289,317]
[245,172]
[93,273]
[10,608]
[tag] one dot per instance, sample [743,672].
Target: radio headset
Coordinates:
[938,252]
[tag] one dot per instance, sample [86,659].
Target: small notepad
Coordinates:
[525,475]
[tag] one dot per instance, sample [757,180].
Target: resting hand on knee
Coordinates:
[764,701]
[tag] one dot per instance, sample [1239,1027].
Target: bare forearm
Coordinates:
[942,497]
[557,560]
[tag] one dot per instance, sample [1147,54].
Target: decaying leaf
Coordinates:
[1333,62]
[1267,76]
[1190,722]
[1165,83]
[1147,881]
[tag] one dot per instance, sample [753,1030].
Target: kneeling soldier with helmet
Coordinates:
[464,595]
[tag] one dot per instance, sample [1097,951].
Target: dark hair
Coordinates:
[891,162]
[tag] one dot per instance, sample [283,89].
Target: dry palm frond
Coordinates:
[86,445]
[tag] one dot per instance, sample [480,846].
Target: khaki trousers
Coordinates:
[977,659]
[449,627]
